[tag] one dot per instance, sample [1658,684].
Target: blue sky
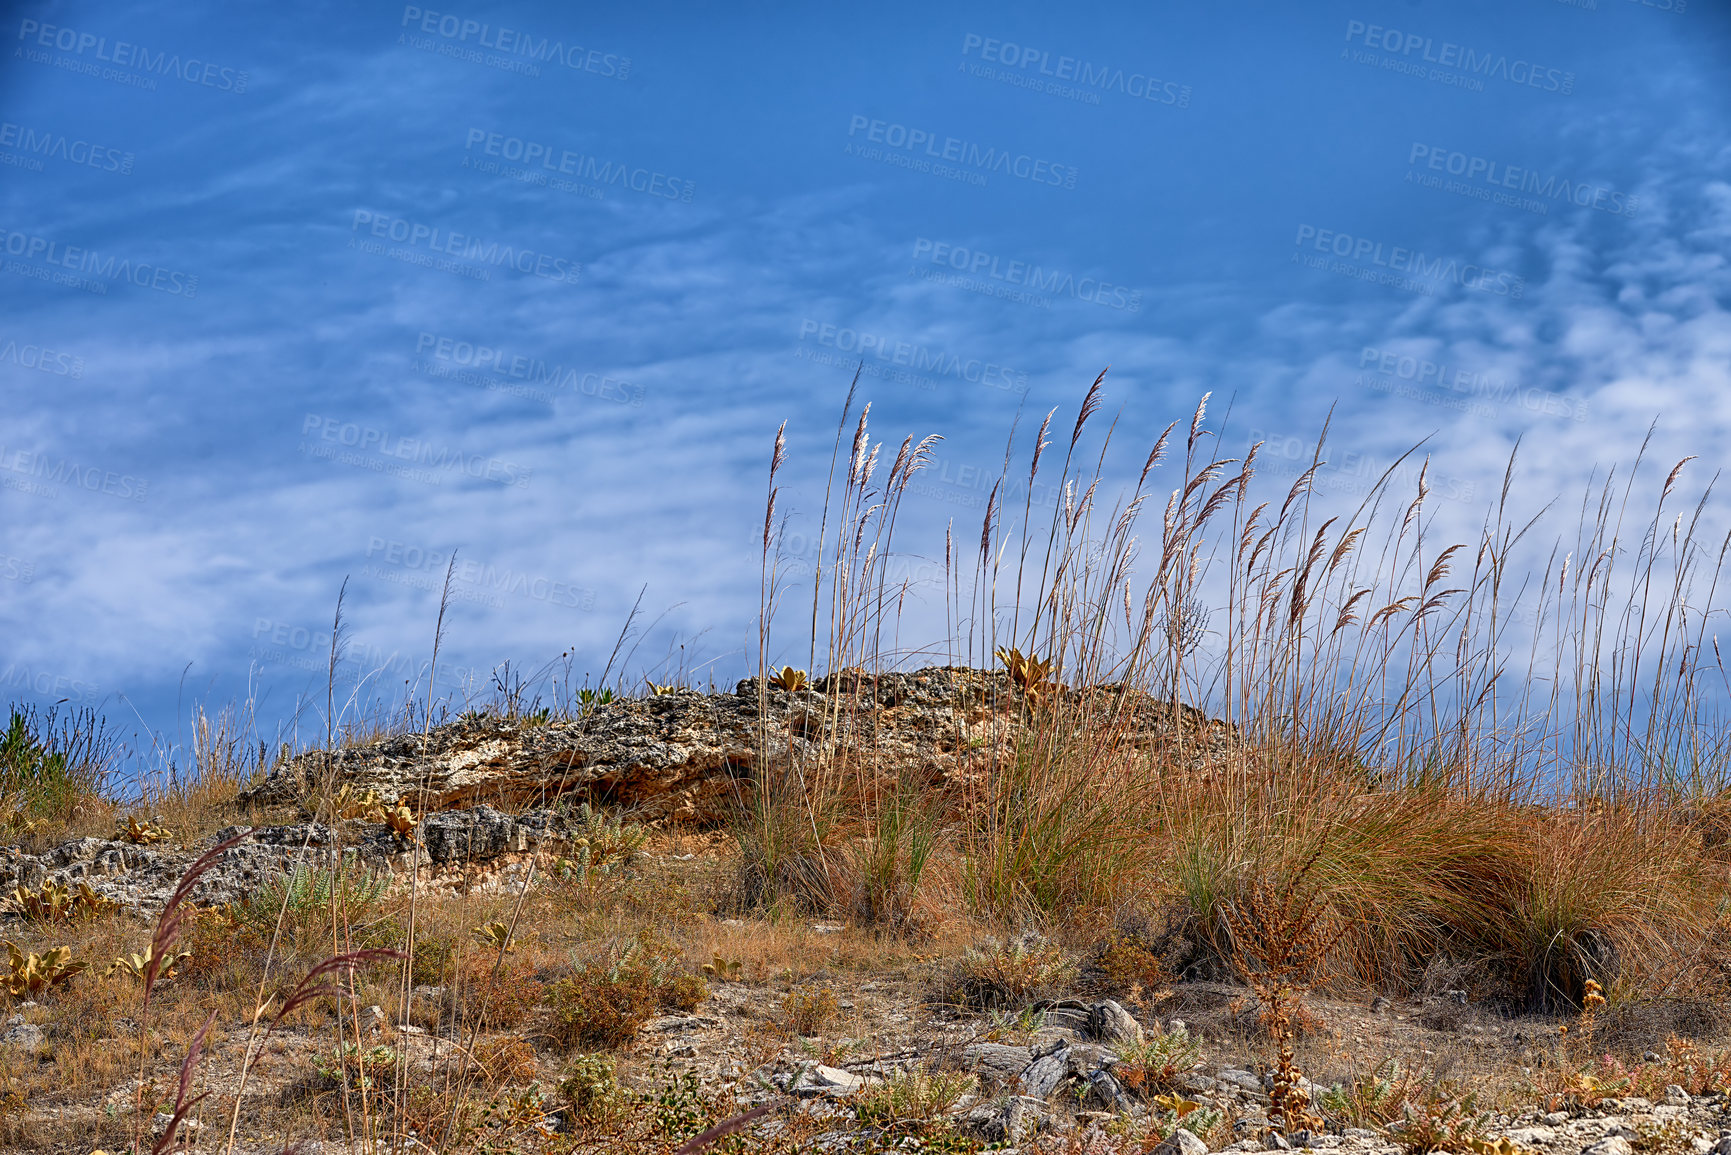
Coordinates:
[295,293]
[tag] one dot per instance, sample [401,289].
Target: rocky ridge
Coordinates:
[478,846]
[683,755]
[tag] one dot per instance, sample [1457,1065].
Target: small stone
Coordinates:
[1610,1145]
[22,1034]
[1181,1142]
[1008,1121]
[1104,1090]
[1676,1096]
[1555,1119]
[1043,1075]
[822,928]
[1243,1080]
[830,1082]
[1110,1023]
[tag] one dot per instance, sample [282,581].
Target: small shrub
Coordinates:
[54,903]
[1127,963]
[604,1002]
[309,893]
[1440,1120]
[999,976]
[1373,1100]
[808,1010]
[498,999]
[911,1097]
[1157,1062]
[435,961]
[32,974]
[363,1068]
[591,1086]
[219,947]
[505,1060]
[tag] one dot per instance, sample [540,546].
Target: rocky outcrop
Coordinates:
[690,756]
[457,847]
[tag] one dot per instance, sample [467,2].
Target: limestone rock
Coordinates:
[687,755]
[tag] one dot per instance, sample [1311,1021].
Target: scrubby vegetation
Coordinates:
[1395,807]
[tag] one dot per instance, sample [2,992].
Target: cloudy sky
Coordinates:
[296,293]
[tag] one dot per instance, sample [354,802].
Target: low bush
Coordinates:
[605,1001]
[1006,975]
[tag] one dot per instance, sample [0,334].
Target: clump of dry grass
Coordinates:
[1382,742]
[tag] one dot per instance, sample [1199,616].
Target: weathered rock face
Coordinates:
[141,878]
[690,756]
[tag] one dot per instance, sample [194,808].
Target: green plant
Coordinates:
[53,902]
[591,1086]
[808,1010]
[435,959]
[360,1068]
[606,999]
[588,699]
[48,770]
[1442,1119]
[911,1097]
[1371,1100]
[1157,1061]
[146,833]
[495,936]
[789,679]
[303,897]
[32,973]
[139,965]
[1006,975]
[1014,1026]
